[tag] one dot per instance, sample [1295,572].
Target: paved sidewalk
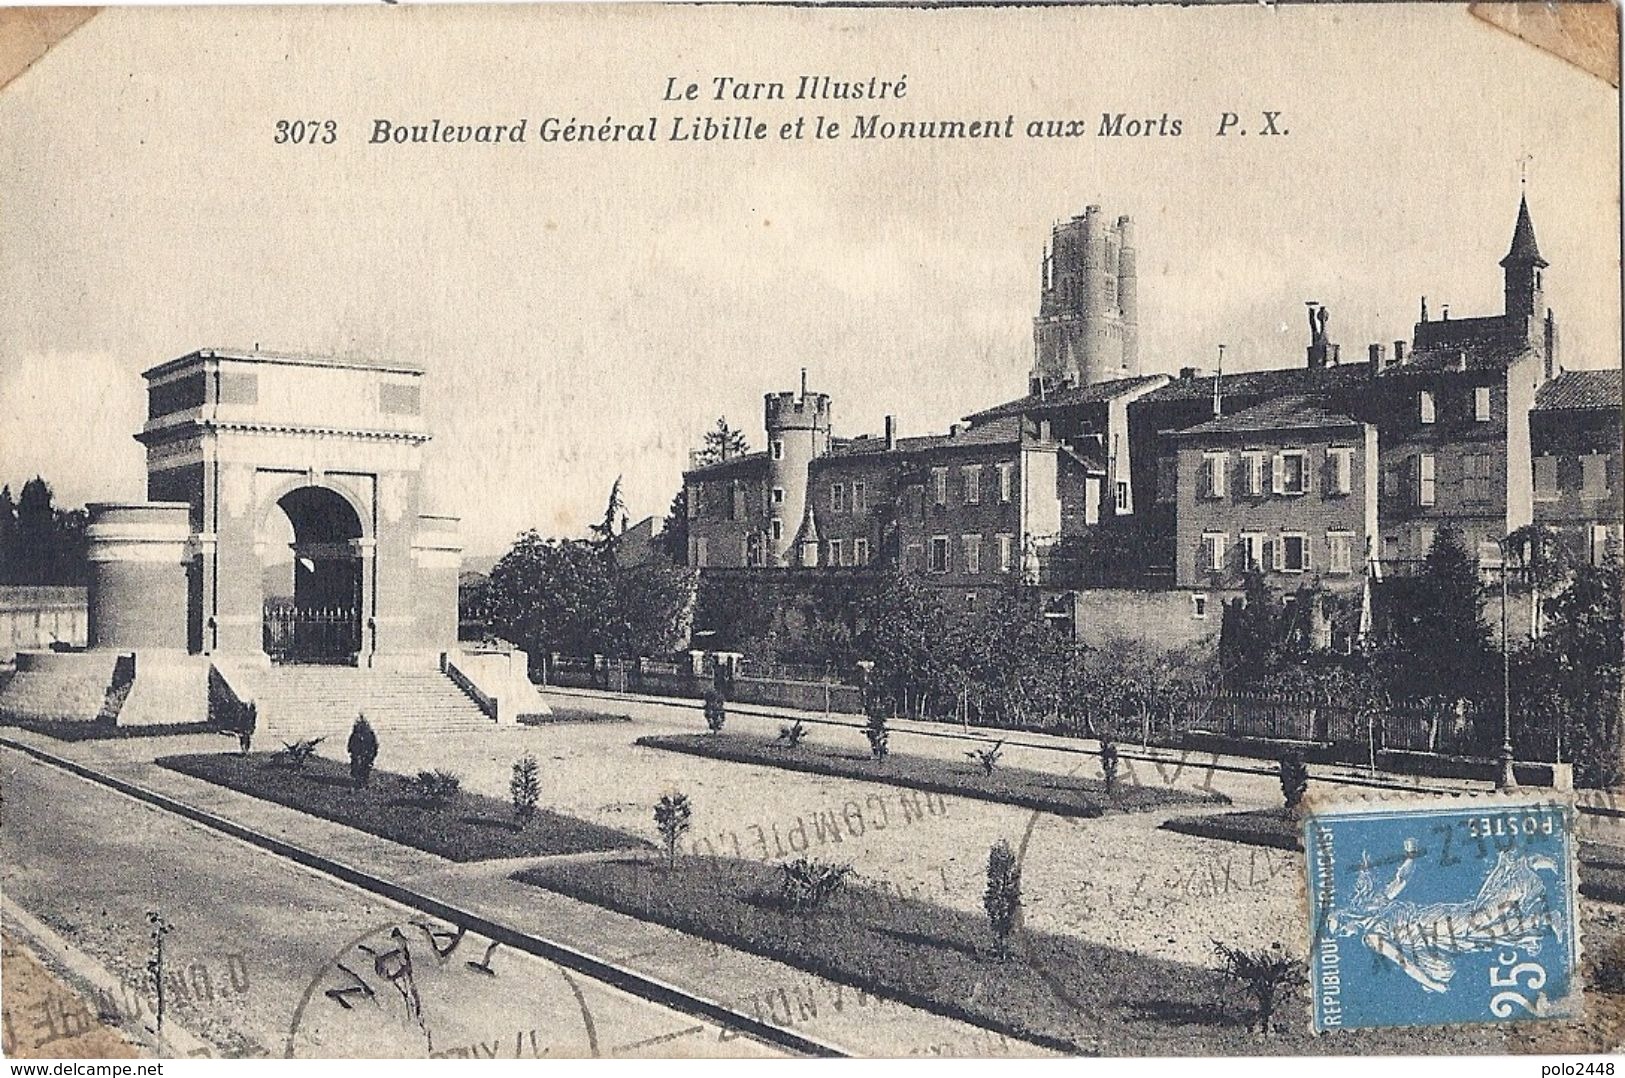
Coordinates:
[776,994]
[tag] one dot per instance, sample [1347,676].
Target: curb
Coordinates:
[55,953]
[637,984]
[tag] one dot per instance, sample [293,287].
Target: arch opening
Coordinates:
[312,578]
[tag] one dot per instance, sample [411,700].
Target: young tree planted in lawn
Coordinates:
[987,758]
[157,929]
[525,788]
[363,749]
[716,711]
[1108,767]
[247,720]
[1268,975]
[1002,900]
[1294,780]
[877,733]
[791,735]
[672,813]
[296,754]
[807,883]
[437,787]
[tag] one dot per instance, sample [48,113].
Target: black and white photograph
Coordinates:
[641,531]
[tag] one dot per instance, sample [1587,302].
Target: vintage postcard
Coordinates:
[634,530]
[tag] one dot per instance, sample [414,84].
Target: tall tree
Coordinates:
[722,442]
[673,537]
[614,519]
[1439,646]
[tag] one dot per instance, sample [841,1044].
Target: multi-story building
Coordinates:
[1574,433]
[1287,487]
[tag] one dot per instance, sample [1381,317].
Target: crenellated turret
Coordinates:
[1087,329]
[797,426]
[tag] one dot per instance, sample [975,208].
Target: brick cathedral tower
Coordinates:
[1088,323]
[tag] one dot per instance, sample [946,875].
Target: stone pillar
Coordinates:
[138,553]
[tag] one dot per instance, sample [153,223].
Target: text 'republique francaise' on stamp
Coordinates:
[1442,912]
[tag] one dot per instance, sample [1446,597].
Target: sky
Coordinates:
[587,311]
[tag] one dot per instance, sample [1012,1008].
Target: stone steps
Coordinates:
[324,702]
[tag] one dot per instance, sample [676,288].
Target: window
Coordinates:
[1091,500]
[939,486]
[1593,476]
[1006,542]
[1006,473]
[693,500]
[1213,544]
[1291,472]
[860,497]
[1292,555]
[778,529]
[1489,554]
[700,560]
[1424,541]
[973,484]
[1424,406]
[776,449]
[778,495]
[860,552]
[1213,465]
[1391,484]
[1253,464]
[1122,496]
[1481,404]
[1342,461]
[837,498]
[973,552]
[1545,478]
[736,502]
[1252,549]
[837,552]
[939,554]
[1424,478]
[1475,476]
[1606,541]
[1199,607]
[1390,548]
[1340,550]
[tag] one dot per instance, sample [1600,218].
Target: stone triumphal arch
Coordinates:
[288,519]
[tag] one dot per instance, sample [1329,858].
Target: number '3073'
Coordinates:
[309,132]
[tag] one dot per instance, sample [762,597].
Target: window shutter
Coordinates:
[1307,546]
[1280,551]
[1277,474]
[1308,472]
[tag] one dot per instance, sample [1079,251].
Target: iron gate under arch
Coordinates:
[295,634]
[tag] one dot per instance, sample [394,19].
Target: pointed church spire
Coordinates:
[1524,250]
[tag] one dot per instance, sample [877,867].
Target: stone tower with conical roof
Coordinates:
[1523,266]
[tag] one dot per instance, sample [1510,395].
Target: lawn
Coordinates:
[1064,795]
[95,730]
[571,715]
[1058,991]
[468,827]
[1602,866]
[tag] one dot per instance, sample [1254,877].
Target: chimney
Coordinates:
[1187,374]
[953,430]
[1043,430]
[1447,312]
[804,383]
[1375,359]
[1399,353]
[891,433]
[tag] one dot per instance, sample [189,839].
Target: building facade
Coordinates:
[1574,432]
[1088,324]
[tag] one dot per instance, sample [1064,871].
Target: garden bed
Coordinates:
[467,827]
[1064,795]
[567,715]
[1602,867]
[1057,991]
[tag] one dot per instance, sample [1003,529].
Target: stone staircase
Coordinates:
[323,701]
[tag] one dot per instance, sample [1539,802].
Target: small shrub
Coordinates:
[672,813]
[1294,780]
[363,749]
[1268,975]
[525,788]
[247,721]
[296,754]
[987,758]
[437,787]
[807,883]
[877,733]
[1108,766]
[1002,899]
[716,711]
[792,735]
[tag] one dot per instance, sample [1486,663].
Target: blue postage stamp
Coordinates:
[1442,912]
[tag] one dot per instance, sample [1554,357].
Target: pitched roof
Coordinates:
[1267,383]
[1296,411]
[1004,430]
[1475,343]
[1068,397]
[1580,389]
[746,462]
[1524,249]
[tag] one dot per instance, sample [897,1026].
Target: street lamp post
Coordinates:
[1506,779]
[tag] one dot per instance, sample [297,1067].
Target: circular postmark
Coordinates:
[419,988]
